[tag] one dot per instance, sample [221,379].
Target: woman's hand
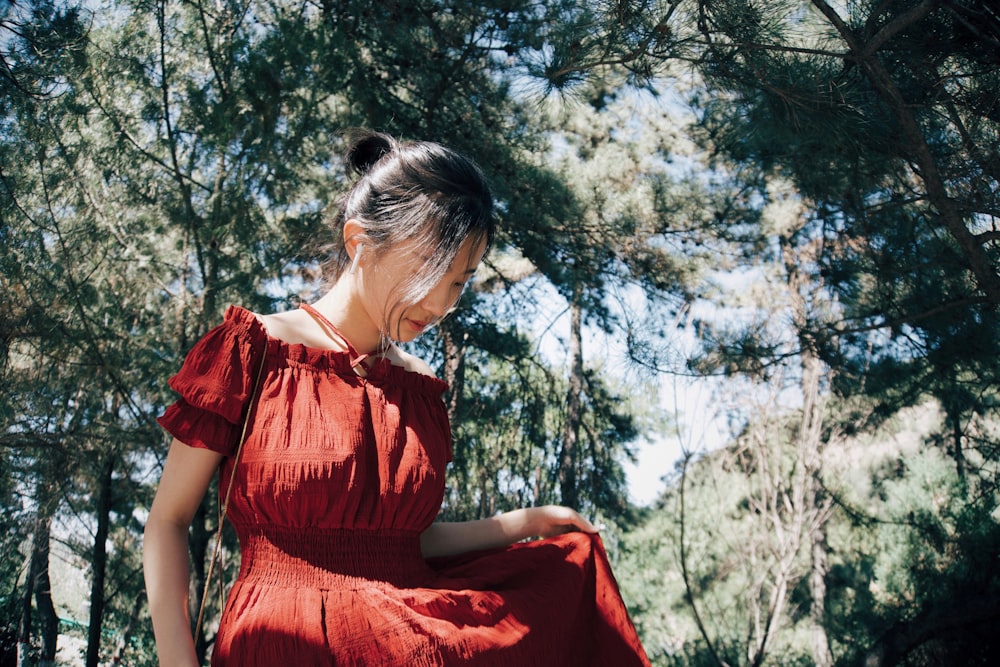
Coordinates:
[551,520]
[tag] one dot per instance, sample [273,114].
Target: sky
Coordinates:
[689,403]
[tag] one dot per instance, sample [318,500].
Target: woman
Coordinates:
[341,471]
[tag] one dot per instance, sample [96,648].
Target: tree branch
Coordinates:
[688,589]
[980,264]
[897,25]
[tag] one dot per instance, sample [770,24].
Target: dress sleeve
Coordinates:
[215,382]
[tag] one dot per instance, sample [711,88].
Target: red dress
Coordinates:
[338,477]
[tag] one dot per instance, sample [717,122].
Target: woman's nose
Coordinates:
[438,301]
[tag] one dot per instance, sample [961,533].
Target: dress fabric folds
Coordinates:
[338,477]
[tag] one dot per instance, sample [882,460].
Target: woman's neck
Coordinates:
[343,307]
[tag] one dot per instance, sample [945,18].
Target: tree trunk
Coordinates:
[199,538]
[955,418]
[816,505]
[48,620]
[24,624]
[453,342]
[810,495]
[817,604]
[128,630]
[569,492]
[38,584]
[99,562]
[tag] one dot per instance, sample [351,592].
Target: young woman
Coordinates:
[342,468]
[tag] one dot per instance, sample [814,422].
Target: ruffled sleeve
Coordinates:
[215,383]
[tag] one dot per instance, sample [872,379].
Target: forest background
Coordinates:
[793,205]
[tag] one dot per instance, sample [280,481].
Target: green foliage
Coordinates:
[913,571]
[892,253]
[159,161]
[925,579]
[702,548]
[171,159]
[507,441]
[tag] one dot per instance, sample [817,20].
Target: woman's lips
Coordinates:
[417,325]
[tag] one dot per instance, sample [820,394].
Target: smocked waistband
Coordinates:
[331,558]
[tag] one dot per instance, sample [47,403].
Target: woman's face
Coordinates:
[384,282]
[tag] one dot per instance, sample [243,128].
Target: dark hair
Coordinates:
[416,192]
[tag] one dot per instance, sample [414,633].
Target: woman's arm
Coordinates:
[186,476]
[449,538]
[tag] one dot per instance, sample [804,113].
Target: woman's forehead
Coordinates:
[469,254]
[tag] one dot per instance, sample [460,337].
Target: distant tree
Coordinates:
[508,439]
[882,115]
[175,158]
[612,244]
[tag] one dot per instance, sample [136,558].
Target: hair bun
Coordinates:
[365,148]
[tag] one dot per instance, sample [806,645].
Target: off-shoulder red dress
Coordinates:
[338,477]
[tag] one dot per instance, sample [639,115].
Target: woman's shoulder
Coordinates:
[296,327]
[409,362]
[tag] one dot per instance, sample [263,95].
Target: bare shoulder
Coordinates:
[297,327]
[284,326]
[406,360]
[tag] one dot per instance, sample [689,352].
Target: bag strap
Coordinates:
[224,507]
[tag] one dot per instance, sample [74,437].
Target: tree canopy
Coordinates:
[806,190]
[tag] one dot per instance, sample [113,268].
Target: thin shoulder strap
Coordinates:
[356,358]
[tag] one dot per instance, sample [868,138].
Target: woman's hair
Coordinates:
[418,193]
